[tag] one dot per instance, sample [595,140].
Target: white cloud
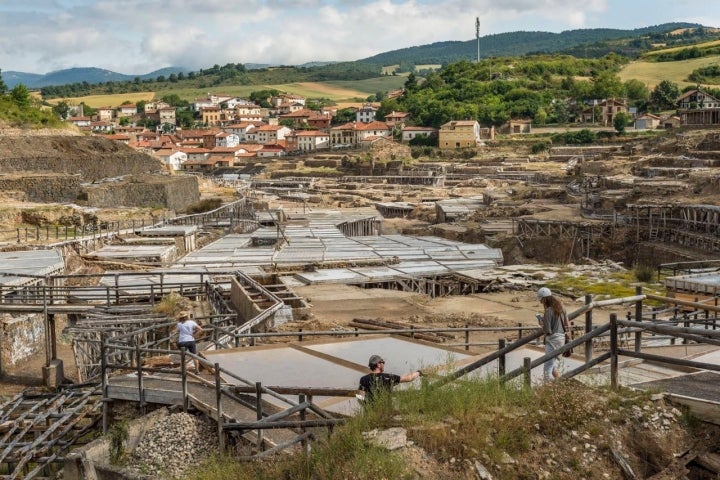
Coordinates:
[134,36]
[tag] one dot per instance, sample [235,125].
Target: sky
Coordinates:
[135,37]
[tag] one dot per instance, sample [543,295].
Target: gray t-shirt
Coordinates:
[553,324]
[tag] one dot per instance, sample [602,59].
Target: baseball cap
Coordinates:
[543,292]
[374,360]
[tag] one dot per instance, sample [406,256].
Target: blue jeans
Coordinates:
[552,343]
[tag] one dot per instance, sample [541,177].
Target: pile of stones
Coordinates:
[174,444]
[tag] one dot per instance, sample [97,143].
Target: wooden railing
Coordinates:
[129,352]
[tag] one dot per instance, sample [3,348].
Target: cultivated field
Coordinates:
[338,91]
[96,101]
[698,46]
[652,73]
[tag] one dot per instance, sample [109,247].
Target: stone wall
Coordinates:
[20,337]
[173,192]
[43,188]
[92,158]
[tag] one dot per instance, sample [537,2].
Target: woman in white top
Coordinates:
[186,329]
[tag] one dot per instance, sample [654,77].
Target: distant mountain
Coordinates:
[13,78]
[514,44]
[78,75]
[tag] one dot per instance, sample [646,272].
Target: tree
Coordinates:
[620,121]
[3,87]
[20,95]
[636,90]
[608,85]
[664,95]
[540,116]
[61,109]
[411,83]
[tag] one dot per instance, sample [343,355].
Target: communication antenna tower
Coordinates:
[477,37]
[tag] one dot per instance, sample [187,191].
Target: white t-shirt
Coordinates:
[186,330]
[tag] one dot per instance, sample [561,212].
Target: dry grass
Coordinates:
[699,46]
[97,101]
[652,73]
[543,430]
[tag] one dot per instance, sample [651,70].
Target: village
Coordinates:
[235,132]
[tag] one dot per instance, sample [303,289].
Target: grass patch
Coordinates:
[614,285]
[699,46]
[170,304]
[457,422]
[652,73]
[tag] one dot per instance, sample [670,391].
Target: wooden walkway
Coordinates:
[161,390]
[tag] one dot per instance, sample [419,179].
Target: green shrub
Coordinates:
[206,205]
[644,273]
[540,147]
[118,439]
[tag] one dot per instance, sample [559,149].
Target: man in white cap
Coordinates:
[377,380]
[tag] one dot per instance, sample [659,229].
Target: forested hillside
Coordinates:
[593,43]
[547,89]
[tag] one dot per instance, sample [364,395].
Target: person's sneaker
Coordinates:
[556,373]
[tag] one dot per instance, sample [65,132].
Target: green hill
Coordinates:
[594,42]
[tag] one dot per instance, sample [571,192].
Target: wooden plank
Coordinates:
[705,410]
[152,395]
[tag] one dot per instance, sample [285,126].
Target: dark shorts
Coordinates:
[189,346]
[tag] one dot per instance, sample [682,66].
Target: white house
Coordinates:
[271,133]
[309,141]
[408,133]
[366,113]
[81,122]
[172,157]
[127,110]
[197,154]
[227,140]
[371,129]
[212,100]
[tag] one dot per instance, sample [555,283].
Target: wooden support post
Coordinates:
[104,382]
[527,361]
[303,442]
[588,328]
[501,358]
[183,379]
[141,386]
[259,414]
[218,400]
[613,351]
[519,330]
[467,336]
